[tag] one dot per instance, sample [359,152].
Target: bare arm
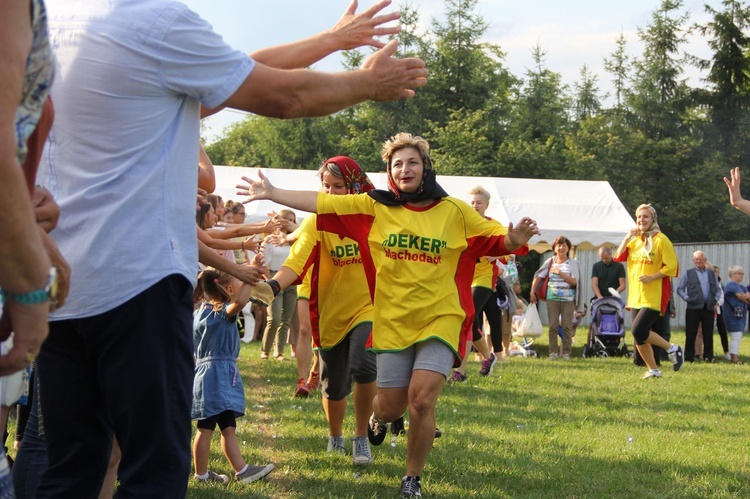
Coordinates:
[595,286]
[304,93]
[206,175]
[621,287]
[351,31]
[246,273]
[263,189]
[534,286]
[24,264]
[735,197]
[625,240]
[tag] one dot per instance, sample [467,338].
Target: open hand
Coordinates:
[357,30]
[255,189]
[391,78]
[519,234]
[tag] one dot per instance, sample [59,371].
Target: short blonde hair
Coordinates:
[479,190]
[733,269]
[402,141]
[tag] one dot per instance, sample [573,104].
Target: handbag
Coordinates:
[541,293]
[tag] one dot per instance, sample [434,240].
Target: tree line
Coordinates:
[660,141]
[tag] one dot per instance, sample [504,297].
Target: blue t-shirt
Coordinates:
[734,309]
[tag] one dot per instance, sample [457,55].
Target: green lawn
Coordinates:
[535,428]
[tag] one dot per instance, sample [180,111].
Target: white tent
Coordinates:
[589,213]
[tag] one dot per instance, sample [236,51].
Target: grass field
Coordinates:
[535,428]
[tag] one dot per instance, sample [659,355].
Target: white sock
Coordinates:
[201,477]
[242,470]
[672,348]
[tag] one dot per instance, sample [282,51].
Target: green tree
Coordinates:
[659,97]
[728,97]
[618,65]
[586,99]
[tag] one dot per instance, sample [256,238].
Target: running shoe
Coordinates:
[488,365]
[652,373]
[675,355]
[411,486]
[314,380]
[376,430]
[397,427]
[303,389]
[457,377]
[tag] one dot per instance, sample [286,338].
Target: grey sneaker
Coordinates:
[361,450]
[565,356]
[336,444]
[652,373]
[214,477]
[553,356]
[253,473]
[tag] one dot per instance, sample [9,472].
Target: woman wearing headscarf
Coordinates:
[419,247]
[651,262]
[340,312]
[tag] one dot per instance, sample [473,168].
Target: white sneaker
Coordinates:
[553,356]
[652,373]
[565,356]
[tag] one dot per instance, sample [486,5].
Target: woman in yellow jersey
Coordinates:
[484,298]
[419,247]
[340,312]
[651,262]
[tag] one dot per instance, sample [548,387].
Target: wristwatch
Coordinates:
[47,293]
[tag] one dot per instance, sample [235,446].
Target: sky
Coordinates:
[572,32]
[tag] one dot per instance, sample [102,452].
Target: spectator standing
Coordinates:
[699,287]
[124,150]
[736,299]
[606,274]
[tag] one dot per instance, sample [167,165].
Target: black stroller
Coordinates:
[607,330]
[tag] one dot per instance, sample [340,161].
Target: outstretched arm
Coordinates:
[735,197]
[263,189]
[350,32]
[520,234]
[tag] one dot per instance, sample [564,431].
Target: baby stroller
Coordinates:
[607,330]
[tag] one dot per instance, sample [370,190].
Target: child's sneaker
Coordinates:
[253,473]
[675,355]
[457,377]
[361,453]
[214,477]
[652,373]
[411,486]
[336,444]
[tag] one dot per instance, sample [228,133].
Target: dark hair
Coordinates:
[200,212]
[560,240]
[211,286]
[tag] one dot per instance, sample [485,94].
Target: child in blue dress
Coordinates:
[218,395]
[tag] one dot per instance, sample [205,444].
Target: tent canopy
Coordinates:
[589,213]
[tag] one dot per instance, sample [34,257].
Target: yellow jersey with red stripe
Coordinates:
[419,263]
[339,296]
[486,272]
[662,258]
